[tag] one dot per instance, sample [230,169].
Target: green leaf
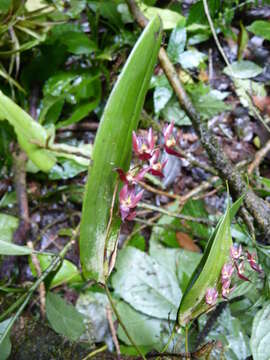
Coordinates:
[112,149]
[92,305]
[243,69]
[144,330]
[68,273]
[78,43]
[5,345]
[177,42]
[260,336]
[66,169]
[209,105]
[4,5]
[8,224]
[161,97]
[260,28]
[197,13]
[173,112]
[191,59]
[7,248]
[63,317]
[180,262]
[137,274]
[169,18]
[31,135]
[207,274]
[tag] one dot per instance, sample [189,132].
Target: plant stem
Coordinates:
[95,352]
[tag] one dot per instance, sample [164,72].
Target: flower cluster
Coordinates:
[238,259]
[148,154]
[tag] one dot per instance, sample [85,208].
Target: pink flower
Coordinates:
[211,296]
[133,176]
[143,146]
[128,201]
[226,290]
[236,251]
[156,167]
[240,271]
[226,272]
[169,140]
[253,263]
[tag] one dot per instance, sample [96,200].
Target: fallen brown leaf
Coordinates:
[186,242]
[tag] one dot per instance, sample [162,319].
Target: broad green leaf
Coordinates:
[68,273]
[243,69]
[161,97]
[31,135]
[191,59]
[197,13]
[4,5]
[5,345]
[7,248]
[169,18]
[112,149]
[144,330]
[180,262]
[78,43]
[92,305]
[177,42]
[260,28]
[207,274]
[137,274]
[8,224]
[173,112]
[260,336]
[63,317]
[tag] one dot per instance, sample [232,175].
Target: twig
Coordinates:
[21,233]
[206,9]
[113,332]
[160,192]
[176,215]
[203,186]
[258,208]
[259,157]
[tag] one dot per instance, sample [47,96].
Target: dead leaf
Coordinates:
[262,103]
[186,242]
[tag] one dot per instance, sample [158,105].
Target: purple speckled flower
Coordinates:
[236,251]
[227,271]
[211,296]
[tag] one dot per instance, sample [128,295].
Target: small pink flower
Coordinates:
[226,290]
[236,251]
[211,296]
[143,146]
[169,139]
[132,176]
[253,263]
[226,272]
[240,271]
[128,201]
[156,167]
